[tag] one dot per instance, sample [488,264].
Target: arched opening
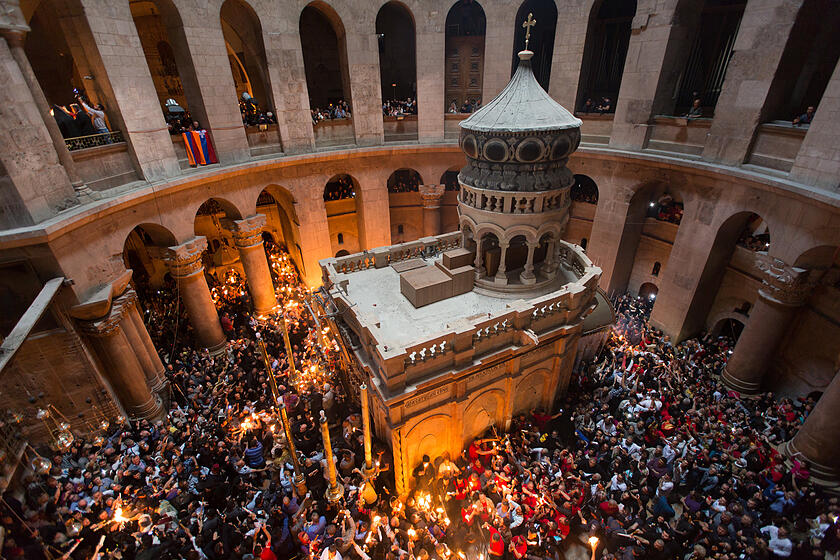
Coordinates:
[605,50]
[341,253]
[221,256]
[170,63]
[405,205]
[708,58]
[449,180]
[65,71]
[584,190]
[723,264]
[650,229]
[648,291]
[488,245]
[397,59]
[246,52]
[343,216]
[404,180]
[729,327]
[464,73]
[756,234]
[542,37]
[516,255]
[281,224]
[324,48]
[809,59]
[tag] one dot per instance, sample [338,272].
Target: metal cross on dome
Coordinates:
[528,24]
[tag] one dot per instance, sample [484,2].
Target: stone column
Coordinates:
[122,60]
[762,36]
[479,259]
[569,43]
[184,262]
[818,160]
[432,196]
[15,39]
[365,88]
[140,340]
[121,366]
[247,235]
[498,46]
[816,441]
[431,64]
[655,35]
[37,186]
[501,276]
[785,288]
[527,276]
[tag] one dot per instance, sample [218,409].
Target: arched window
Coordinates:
[397,58]
[583,243]
[607,40]
[464,71]
[657,266]
[341,239]
[542,37]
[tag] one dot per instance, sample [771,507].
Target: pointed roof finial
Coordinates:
[528,24]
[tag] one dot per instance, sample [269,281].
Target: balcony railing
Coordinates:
[94,140]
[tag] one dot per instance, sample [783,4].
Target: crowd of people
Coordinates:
[666,209]
[339,110]
[603,106]
[468,106]
[82,118]
[399,107]
[646,456]
[340,188]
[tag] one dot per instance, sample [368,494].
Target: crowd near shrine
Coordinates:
[414,282]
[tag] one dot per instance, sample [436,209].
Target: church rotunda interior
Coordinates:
[420,280]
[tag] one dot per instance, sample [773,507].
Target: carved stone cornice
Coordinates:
[248,231]
[431,195]
[782,283]
[185,260]
[105,326]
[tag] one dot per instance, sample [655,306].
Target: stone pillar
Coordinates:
[288,78]
[184,262]
[40,187]
[204,66]
[121,54]
[501,276]
[816,440]
[15,39]
[785,288]
[120,365]
[432,196]
[818,160]
[498,46]
[654,37]
[762,36]
[569,43]
[138,336]
[527,276]
[247,235]
[365,88]
[431,64]
[479,260]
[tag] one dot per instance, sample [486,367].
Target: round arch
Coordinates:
[341,186]
[584,189]
[542,37]
[730,324]
[465,31]
[395,33]
[484,410]
[648,291]
[148,270]
[324,47]
[277,204]
[530,391]
[404,180]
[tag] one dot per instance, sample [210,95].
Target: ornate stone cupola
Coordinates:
[514,200]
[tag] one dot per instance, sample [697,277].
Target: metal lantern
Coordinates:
[41,465]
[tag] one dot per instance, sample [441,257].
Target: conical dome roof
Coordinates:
[522,106]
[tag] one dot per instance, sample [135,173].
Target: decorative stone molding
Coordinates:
[431,195]
[185,260]
[99,303]
[247,232]
[782,283]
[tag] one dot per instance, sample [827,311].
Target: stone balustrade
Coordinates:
[514,202]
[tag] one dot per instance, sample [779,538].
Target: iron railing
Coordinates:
[94,140]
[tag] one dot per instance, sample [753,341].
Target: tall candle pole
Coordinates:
[271,380]
[289,356]
[300,482]
[335,491]
[366,427]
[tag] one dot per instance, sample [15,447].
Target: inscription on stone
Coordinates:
[477,378]
[411,403]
